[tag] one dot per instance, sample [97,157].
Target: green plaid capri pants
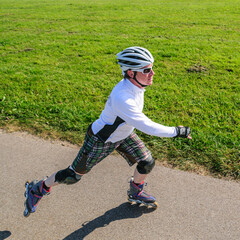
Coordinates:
[94,151]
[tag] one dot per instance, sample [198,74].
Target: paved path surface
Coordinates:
[190,206]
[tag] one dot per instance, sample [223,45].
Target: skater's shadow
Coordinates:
[124,211]
[4,234]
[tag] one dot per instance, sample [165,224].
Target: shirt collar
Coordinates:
[133,87]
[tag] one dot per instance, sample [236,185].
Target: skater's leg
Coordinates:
[37,189]
[138,177]
[143,169]
[50,181]
[136,191]
[135,151]
[91,153]
[67,176]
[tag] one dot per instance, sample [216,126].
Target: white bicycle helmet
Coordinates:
[134,58]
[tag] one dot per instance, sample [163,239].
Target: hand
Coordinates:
[189,136]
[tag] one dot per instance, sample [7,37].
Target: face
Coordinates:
[144,78]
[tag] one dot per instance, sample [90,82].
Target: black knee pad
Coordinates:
[67,176]
[145,167]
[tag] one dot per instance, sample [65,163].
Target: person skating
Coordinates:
[114,130]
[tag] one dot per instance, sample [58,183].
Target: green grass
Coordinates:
[58,66]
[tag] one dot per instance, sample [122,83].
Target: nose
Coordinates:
[152,72]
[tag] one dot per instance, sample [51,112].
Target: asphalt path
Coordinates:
[190,206]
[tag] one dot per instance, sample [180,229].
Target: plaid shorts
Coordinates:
[94,151]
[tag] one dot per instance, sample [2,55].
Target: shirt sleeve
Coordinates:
[132,115]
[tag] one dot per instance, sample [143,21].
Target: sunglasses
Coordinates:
[144,70]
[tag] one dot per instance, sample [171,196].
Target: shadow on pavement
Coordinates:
[123,211]
[4,234]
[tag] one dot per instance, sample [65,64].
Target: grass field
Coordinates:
[58,66]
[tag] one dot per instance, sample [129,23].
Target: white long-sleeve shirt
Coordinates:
[123,113]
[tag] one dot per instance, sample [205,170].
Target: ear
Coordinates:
[130,73]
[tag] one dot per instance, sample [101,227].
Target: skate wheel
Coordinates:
[155,205]
[134,202]
[26,213]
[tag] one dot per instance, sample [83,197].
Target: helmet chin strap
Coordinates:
[134,77]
